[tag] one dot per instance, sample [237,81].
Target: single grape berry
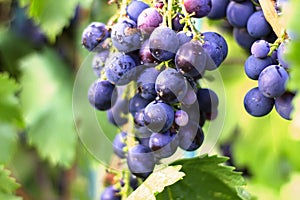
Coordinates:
[181,118]
[284,105]
[256,104]
[257,25]
[200,8]
[145,54]
[102,95]
[272,81]
[208,100]
[120,68]
[214,37]
[184,37]
[146,83]
[239,13]
[281,51]
[158,116]
[260,48]
[135,8]
[218,9]
[116,115]
[254,66]
[163,48]
[94,35]
[215,55]
[191,137]
[136,103]
[243,38]
[140,161]
[176,25]
[148,20]
[171,85]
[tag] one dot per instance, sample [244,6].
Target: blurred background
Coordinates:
[41,155]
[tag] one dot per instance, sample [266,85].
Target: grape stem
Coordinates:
[272,17]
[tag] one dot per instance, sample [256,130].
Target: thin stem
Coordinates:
[169,13]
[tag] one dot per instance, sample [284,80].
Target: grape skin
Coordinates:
[254,66]
[257,25]
[272,81]
[239,13]
[200,8]
[256,104]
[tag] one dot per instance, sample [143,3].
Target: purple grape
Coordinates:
[281,51]
[260,49]
[158,116]
[102,95]
[163,145]
[256,104]
[191,137]
[284,105]
[136,103]
[125,36]
[171,85]
[163,48]
[176,25]
[120,68]
[148,20]
[145,54]
[239,13]
[254,66]
[207,99]
[257,25]
[200,8]
[215,53]
[94,35]
[243,38]
[272,81]
[218,9]
[135,8]
[181,118]
[116,114]
[215,37]
[146,83]
[184,37]
[140,161]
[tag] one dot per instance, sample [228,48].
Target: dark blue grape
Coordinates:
[148,20]
[191,137]
[119,144]
[133,182]
[176,25]
[120,68]
[239,13]
[256,104]
[215,53]
[163,48]
[135,8]
[125,36]
[99,62]
[284,105]
[110,193]
[208,100]
[158,116]
[272,81]
[218,9]
[171,85]
[94,35]
[102,95]
[136,103]
[140,161]
[243,38]
[200,8]
[281,51]
[146,83]
[260,48]
[164,144]
[257,25]
[191,59]
[218,39]
[184,37]
[254,66]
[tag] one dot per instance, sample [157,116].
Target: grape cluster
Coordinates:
[149,63]
[268,65]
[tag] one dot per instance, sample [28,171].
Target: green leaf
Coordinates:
[206,178]
[47,103]
[10,110]
[8,185]
[156,183]
[8,142]
[52,16]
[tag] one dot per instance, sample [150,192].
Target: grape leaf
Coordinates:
[8,185]
[47,103]
[156,183]
[10,109]
[52,16]
[206,178]
[8,142]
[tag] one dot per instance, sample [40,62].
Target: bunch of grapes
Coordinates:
[149,60]
[266,62]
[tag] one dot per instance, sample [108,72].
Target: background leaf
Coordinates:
[52,16]
[206,178]
[8,184]
[49,117]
